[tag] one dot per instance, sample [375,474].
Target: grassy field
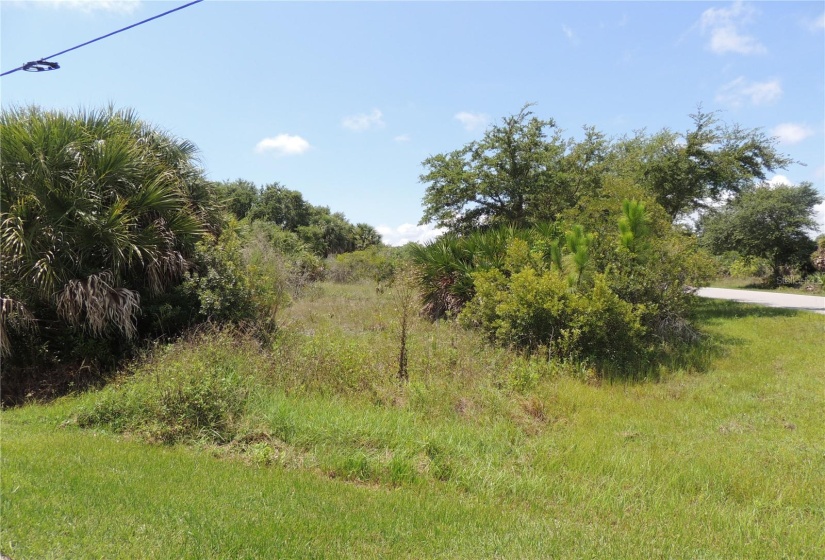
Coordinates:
[315,450]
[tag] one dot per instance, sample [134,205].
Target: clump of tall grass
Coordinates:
[195,389]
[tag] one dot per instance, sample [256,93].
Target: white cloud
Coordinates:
[117,6]
[792,133]
[724,26]
[728,39]
[815,24]
[571,35]
[364,121]
[819,216]
[779,180]
[283,145]
[407,233]
[472,121]
[403,138]
[740,91]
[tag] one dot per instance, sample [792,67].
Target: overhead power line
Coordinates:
[43,64]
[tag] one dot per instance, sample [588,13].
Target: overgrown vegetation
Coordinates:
[193,390]
[100,217]
[616,300]
[541,375]
[515,448]
[321,231]
[111,237]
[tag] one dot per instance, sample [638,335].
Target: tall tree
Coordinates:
[713,161]
[283,206]
[365,236]
[328,233]
[238,196]
[771,223]
[494,180]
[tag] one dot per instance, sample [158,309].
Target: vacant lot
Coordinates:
[481,454]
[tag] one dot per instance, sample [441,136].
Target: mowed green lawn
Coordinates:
[722,461]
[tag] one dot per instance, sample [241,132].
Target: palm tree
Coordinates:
[96,207]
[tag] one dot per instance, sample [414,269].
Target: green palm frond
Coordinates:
[91,191]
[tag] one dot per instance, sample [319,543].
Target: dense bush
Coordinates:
[193,390]
[376,263]
[446,264]
[249,273]
[735,265]
[614,300]
[101,213]
[533,308]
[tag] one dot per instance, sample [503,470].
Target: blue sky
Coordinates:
[344,100]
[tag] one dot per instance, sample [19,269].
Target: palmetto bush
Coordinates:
[445,265]
[99,212]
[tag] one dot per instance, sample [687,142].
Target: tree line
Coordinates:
[524,171]
[323,231]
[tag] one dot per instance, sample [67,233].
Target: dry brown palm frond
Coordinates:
[15,315]
[165,269]
[95,304]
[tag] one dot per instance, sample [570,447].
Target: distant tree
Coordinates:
[691,171]
[494,180]
[365,236]
[772,223]
[283,206]
[239,196]
[523,172]
[328,233]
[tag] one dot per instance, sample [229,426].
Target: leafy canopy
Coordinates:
[771,223]
[491,181]
[523,172]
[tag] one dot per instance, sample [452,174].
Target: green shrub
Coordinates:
[250,273]
[99,216]
[744,267]
[613,302]
[195,389]
[219,280]
[375,263]
[446,265]
[532,309]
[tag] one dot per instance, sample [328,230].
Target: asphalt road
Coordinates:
[788,301]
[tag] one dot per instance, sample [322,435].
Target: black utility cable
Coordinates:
[43,64]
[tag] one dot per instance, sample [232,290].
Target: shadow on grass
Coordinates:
[696,357]
[712,311]
[43,384]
